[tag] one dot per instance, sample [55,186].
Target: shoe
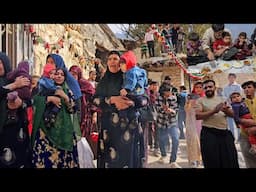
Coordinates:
[182,137]
[174,165]
[155,153]
[162,160]
[194,164]
[151,149]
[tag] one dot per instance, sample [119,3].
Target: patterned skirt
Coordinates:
[46,155]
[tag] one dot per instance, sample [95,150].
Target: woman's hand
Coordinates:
[121,102]
[18,83]
[55,100]
[21,82]
[62,94]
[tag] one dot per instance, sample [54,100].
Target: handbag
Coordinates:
[148,113]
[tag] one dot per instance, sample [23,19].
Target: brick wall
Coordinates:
[159,74]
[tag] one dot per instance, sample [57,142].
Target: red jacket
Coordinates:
[219,44]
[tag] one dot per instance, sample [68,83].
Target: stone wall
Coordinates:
[79,43]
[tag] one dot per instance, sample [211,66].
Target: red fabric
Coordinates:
[95,136]
[86,87]
[30,119]
[130,59]
[47,69]
[219,44]
[252,138]
[76,69]
[246,116]
[245,51]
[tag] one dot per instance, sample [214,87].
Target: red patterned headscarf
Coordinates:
[76,69]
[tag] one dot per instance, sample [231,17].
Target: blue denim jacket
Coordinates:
[46,86]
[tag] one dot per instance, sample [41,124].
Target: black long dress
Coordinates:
[15,149]
[119,147]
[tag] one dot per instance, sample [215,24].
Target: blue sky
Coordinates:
[115,28]
[235,28]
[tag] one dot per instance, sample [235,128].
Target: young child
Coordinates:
[180,40]
[18,94]
[135,82]
[222,47]
[195,52]
[241,111]
[47,87]
[34,85]
[144,49]
[242,46]
[46,84]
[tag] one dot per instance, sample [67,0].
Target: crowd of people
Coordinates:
[118,115]
[216,42]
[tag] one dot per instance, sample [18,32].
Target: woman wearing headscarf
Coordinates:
[56,146]
[14,138]
[58,61]
[118,147]
[89,111]
[193,126]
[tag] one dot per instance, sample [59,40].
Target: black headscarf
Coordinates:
[3,81]
[111,83]
[7,67]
